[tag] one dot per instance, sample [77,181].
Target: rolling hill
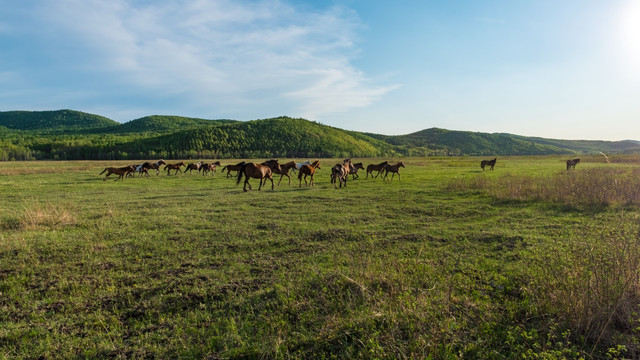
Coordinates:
[69,134]
[52,121]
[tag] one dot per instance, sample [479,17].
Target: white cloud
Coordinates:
[219,55]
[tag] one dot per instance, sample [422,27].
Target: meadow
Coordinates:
[527,261]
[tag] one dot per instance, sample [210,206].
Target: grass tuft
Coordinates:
[48,215]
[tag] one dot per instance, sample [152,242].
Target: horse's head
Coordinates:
[358,166]
[401,164]
[217,163]
[161,162]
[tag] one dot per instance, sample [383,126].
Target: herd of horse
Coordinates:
[265,171]
[262,171]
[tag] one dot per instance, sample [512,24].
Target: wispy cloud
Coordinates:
[214,56]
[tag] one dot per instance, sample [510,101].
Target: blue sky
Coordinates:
[561,69]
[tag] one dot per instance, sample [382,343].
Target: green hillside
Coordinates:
[74,135]
[52,121]
[163,123]
[437,141]
[282,136]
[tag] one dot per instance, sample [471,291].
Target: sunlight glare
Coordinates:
[630,34]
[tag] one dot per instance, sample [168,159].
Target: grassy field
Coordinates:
[527,261]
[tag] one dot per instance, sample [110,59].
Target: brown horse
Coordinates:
[256,171]
[375,167]
[231,168]
[308,170]
[340,173]
[121,172]
[394,169]
[281,169]
[175,167]
[152,166]
[354,170]
[571,164]
[491,163]
[206,168]
[193,166]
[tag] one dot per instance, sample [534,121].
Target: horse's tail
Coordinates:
[105,169]
[224,168]
[300,174]
[240,172]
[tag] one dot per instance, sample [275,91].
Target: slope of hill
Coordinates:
[52,121]
[164,123]
[282,136]
[449,142]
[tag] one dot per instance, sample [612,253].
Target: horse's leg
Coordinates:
[271,179]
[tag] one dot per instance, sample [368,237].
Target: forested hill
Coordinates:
[437,141]
[73,135]
[53,121]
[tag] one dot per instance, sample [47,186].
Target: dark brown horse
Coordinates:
[308,170]
[175,167]
[340,173]
[354,170]
[375,167]
[393,169]
[193,166]
[491,163]
[152,166]
[571,164]
[231,168]
[256,171]
[206,168]
[120,171]
[281,169]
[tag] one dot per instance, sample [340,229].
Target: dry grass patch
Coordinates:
[601,186]
[48,215]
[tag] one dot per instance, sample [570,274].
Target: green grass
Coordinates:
[448,262]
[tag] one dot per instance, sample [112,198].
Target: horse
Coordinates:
[354,170]
[231,168]
[299,165]
[193,166]
[121,172]
[281,169]
[308,170]
[340,173]
[571,164]
[256,171]
[137,168]
[491,163]
[206,168]
[394,169]
[155,166]
[375,167]
[175,167]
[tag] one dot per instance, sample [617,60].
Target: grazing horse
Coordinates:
[571,164]
[308,170]
[121,172]
[175,167]
[393,169]
[354,170]
[154,166]
[206,168]
[281,169]
[340,173]
[256,171]
[231,168]
[375,167]
[193,166]
[491,163]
